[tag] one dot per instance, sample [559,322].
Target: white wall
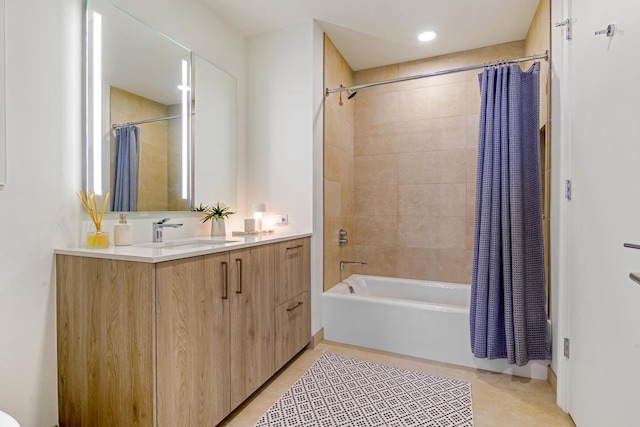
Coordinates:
[280,117]
[38,208]
[284,150]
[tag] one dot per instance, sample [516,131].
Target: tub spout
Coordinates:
[343,263]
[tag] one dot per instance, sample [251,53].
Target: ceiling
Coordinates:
[372,33]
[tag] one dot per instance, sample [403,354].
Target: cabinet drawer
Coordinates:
[292,269]
[293,327]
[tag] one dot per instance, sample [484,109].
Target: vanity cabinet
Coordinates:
[176,343]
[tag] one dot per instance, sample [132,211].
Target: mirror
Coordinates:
[143,135]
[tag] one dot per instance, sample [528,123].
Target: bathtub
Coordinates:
[411,317]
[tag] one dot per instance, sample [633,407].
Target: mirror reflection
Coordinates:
[141,130]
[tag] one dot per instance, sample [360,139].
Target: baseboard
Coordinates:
[316,339]
[553,381]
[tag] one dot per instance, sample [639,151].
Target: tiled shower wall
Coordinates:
[407,196]
[338,166]
[415,149]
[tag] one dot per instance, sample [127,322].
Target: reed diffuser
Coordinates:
[95,239]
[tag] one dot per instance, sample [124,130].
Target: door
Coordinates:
[252,320]
[604,312]
[192,312]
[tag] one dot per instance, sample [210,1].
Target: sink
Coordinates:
[186,244]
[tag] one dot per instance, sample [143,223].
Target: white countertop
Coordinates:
[170,250]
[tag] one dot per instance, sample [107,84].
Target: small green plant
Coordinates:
[200,208]
[217,212]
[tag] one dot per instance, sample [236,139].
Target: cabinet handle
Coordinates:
[225,280]
[295,306]
[239,267]
[295,247]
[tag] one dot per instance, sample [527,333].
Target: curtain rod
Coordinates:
[141,122]
[544,56]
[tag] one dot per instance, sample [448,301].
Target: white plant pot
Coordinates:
[217,227]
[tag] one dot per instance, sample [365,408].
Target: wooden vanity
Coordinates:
[181,341]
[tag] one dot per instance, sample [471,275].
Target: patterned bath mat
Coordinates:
[342,391]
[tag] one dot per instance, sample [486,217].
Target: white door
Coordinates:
[604,312]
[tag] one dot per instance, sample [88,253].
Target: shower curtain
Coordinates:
[127,164]
[508,316]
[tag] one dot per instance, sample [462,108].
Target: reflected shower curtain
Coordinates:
[508,296]
[127,165]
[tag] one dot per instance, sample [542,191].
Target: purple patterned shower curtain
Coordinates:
[508,294]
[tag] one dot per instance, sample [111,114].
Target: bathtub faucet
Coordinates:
[343,263]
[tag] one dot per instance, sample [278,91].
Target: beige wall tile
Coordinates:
[348,196]
[471,200]
[446,133]
[373,75]
[474,100]
[430,65]
[447,265]
[332,198]
[434,232]
[433,167]
[375,200]
[380,261]
[496,52]
[432,200]
[471,156]
[470,223]
[372,230]
[433,101]
[338,165]
[376,109]
[376,170]
[473,127]
[374,144]
[341,132]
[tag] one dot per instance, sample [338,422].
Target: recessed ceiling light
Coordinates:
[426,36]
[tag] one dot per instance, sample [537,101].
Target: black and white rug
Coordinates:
[343,391]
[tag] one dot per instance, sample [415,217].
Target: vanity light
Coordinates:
[257,209]
[427,36]
[96,91]
[184,87]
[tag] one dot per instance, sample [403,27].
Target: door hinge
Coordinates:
[568,34]
[566,348]
[567,189]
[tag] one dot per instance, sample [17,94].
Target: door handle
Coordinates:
[295,306]
[239,268]
[225,280]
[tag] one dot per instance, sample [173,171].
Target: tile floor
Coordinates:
[498,399]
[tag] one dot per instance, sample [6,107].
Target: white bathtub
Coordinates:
[412,317]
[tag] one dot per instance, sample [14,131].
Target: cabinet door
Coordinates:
[252,334]
[292,269]
[193,341]
[105,320]
[293,328]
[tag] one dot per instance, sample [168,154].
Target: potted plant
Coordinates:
[217,214]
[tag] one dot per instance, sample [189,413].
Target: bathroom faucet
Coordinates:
[343,263]
[158,226]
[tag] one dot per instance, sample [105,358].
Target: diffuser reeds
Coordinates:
[90,203]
